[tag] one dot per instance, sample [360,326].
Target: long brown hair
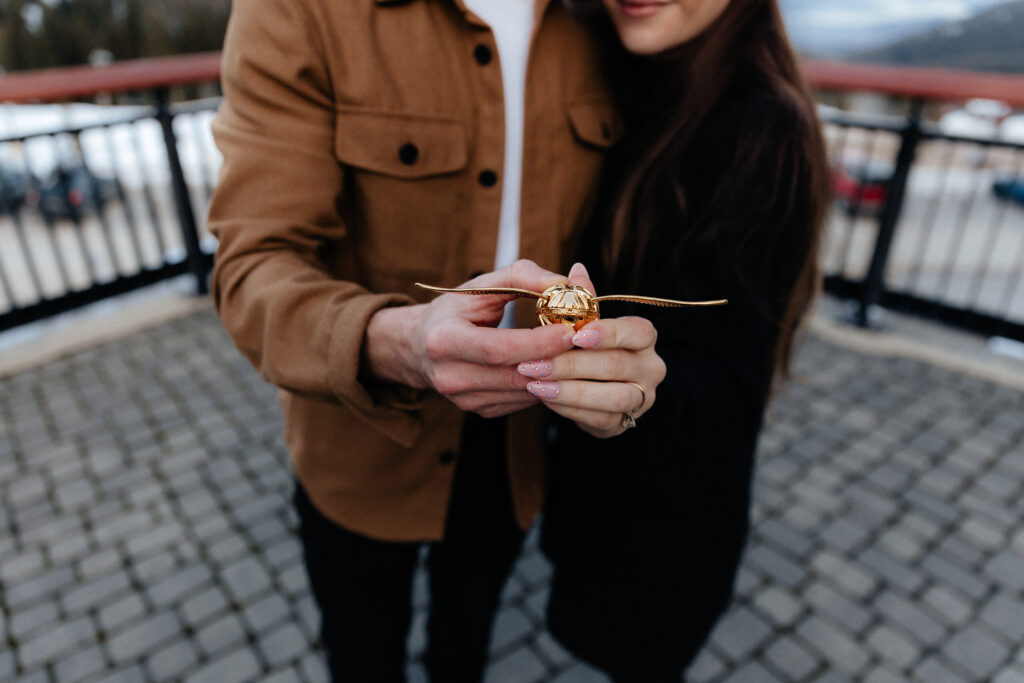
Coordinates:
[743,56]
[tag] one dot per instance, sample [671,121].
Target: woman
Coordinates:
[717,190]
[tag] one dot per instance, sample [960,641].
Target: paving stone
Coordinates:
[265,612]
[510,626]
[843,653]
[902,575]
[779,568]
[903,613]
[80,665]
[179,585]
[706,667]
[780,606]
[931,670]
[944,569]
[143,636]
[165,535]
[283,644]
[790,658]
[24,622]
[878,675]
[95,592]
[238,666]
[836,607]
[551,651]
[121,611]
[245,579]
[1005,614]
[750,672]
[845,574]
[1007,568]
[221,634]
[900,544]
[740,632]
[893,646]
[844,534]
[520,666]
[950,604]
[581,673]
[39,587]
[172,661]
[533,568]
[888,492]
[64,637]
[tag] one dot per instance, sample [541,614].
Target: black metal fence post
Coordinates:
[874,281]
[197,262]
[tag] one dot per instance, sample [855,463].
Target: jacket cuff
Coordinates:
[391,409]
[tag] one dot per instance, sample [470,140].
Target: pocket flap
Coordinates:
[595,123]
[400,145]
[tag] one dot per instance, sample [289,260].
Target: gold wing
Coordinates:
[655,301]
[485,290]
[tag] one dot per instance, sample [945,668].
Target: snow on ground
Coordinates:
[112,141]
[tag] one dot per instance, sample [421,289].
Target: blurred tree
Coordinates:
[65,32]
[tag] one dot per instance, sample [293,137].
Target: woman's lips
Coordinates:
[640,8]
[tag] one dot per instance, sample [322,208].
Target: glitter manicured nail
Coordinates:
[544,390]
[536,368]
[586,339]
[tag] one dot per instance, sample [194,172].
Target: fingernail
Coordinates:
[586,339]
[544,390]
[577,269]
[535,368]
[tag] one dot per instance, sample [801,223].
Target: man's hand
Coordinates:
[451,345]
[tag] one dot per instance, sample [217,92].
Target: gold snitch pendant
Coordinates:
[573,306]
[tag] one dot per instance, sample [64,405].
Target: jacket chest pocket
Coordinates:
[403,176]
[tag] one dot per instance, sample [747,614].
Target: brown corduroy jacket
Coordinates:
[361,141]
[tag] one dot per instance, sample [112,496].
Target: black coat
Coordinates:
[646,530]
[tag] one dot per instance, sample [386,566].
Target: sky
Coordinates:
[836,27]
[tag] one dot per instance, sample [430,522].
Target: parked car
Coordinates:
[860,183]
[14,186]
[69,191]
[1010,189]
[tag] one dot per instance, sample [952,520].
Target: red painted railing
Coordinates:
[48,85]
[946,85]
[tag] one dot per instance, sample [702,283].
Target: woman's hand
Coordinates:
[593,385]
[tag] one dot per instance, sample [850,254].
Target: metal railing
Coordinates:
[915,225]
[918,223]
[942,243]
[100,199]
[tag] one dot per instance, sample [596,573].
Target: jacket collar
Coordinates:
[539,6]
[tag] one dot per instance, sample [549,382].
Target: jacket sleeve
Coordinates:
[276,215]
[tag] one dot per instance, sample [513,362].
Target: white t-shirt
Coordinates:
[511,22]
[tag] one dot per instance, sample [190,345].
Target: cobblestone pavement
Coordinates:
[147,533]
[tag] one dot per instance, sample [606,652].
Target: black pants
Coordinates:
[364,587]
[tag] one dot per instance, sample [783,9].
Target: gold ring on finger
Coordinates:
[643,399]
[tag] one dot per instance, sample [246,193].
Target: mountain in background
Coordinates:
[837,29]
[990,41]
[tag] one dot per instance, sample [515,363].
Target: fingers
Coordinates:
[493,403]
[523,274]
[630,332]
[643,367]
[460,378]
[614,398]
[596,407]
[578,275]
[615,364]
[489,346]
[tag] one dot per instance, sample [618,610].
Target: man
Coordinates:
[368,145]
